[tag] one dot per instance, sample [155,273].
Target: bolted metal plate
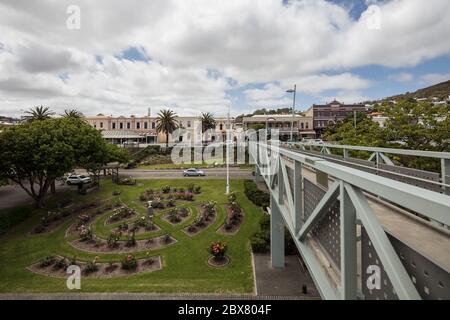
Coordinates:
[327,231]
[431,281]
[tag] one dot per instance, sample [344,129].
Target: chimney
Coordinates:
[149,112]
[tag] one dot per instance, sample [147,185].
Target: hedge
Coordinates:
[255,195]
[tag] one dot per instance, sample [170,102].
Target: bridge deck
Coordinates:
[432,242]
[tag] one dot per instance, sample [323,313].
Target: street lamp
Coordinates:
[294,91]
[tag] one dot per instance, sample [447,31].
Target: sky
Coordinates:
[192,56]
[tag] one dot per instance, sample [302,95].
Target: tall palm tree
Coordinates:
[166,123]
[39,113]
[72,113]
[208,121]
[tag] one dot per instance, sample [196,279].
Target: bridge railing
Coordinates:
[329,224]
[380,163]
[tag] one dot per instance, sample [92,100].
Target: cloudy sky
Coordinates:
[203,55]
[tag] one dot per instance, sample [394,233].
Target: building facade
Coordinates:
[331,113]
[119,130]
[302,125]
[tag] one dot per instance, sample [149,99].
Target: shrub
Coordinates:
[91,266]
[183,212]
[232,197]
[190,187]
[197,189]
[171,203]
[113,239]
[85,233]
[166,238]
[131,240]
[218,249]
[188,197]
[199,222]
[258,197]
[47,261]
[116,192]
[61,264]
[165,189]
[174,216]
[259,245]
[129,262]
[192,228]
[73,261]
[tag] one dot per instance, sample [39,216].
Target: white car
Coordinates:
[78,179]
[192,172]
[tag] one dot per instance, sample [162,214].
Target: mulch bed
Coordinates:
[97,245]
[197,230]
[183,219]
[140,230]
[105,270]
[69,212]
[234,227]
[217,263]
[132,215]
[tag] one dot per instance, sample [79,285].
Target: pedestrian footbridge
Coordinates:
[366,229]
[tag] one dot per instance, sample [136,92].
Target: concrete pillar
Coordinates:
[276,235]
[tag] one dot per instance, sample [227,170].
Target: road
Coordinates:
[13,195]
[216,173]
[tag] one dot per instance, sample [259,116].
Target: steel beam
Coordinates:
[348,246]
[276,235]
[298,196]
[391,262]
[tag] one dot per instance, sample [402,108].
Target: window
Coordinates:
[302,125]
[101,124]
[128,125]
[114,125]
[189,124]
[121,125]
[145,125]
[138,125]
[307,125]
[95,124]
[221,126]
[153,125]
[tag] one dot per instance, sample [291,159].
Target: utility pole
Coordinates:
[227,191]
[293,111]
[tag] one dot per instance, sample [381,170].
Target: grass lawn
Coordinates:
[185,267]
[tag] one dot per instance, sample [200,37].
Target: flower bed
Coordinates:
[207,217]
[58,265]
[233,220]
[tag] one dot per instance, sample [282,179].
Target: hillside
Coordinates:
[440,90]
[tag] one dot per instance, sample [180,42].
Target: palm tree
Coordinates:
[72,113]
[39,113]
[208,121]
[166,123]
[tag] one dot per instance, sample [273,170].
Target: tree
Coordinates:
[208,121]
[166,123]
[34,154]
[72,113]
[39,113]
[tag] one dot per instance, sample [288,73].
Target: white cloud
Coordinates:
[248,41]
[434,78]
[402,77]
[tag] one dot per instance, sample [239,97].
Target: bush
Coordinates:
[129,262]
[91,266]
[259,245]
[190,187]
[113,239]
[258,197]
[197,189]
[61,264]
[218,249]
[165,189]
[116,192]
[131,240]
[47,261]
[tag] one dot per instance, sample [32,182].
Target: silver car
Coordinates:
[192,172]
[78,179]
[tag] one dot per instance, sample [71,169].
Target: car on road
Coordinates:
[78,179]
[192,172]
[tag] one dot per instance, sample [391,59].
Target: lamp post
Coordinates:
[228,132]
[294,91]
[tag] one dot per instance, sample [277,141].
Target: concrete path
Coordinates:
[283,282]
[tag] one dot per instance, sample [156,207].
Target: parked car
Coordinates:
[318,141]
[78,179]
[192,172]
